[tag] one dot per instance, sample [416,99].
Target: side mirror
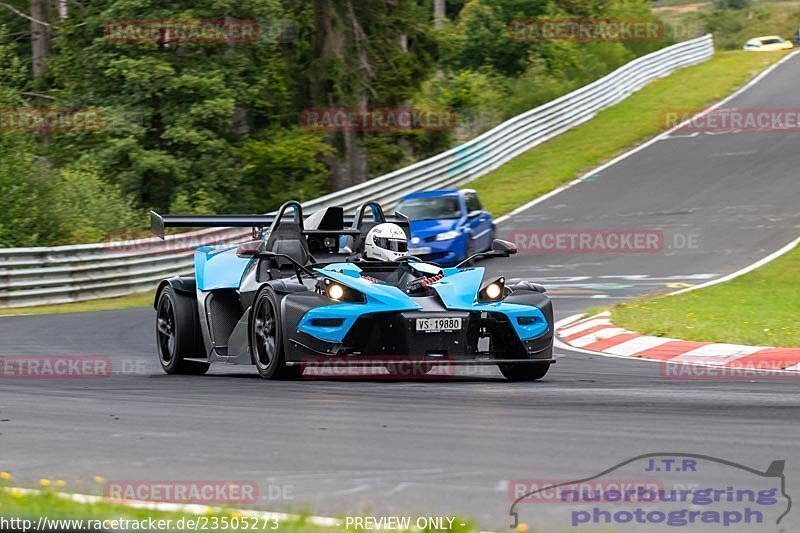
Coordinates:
[504,247]
[473,214]
[500,248]
[249,248]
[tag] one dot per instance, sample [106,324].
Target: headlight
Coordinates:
[448,235]
[341,293]
[494,291]
[335,291]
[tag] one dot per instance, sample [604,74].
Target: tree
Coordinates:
[439,13]
[40,36]
[366,54]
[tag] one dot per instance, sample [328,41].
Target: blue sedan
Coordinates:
[447,226]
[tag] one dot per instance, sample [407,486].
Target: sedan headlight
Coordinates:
[448,235]
[494,291]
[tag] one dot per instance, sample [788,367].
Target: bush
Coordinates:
[476,98]
[732,28]
[731,4]
[282,165]
[85,208]
[41,206]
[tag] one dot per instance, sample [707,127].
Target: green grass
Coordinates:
[616,129]
[140,299]
[15,503]
[761,308]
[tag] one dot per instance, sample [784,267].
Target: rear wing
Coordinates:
[159,222]
[349,225]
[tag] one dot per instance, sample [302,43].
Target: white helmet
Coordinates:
[386,242]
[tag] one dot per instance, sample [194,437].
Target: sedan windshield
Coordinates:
[430,208]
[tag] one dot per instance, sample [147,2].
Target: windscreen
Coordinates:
[430,208]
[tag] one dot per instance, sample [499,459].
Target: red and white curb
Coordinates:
[597,334]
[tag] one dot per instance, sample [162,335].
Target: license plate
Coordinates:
[438,324]
[420,250]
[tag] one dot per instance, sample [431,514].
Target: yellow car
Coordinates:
[769,43]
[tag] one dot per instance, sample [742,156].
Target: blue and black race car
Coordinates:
[293,297]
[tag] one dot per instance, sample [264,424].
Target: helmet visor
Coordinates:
[394,245]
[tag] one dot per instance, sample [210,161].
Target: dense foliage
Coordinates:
[216,126]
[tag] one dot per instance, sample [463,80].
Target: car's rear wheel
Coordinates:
[266,338]
[523,371]
[176,337]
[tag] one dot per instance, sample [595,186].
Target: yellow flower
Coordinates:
[99,479]
[208,511]
[45,482]
[16,493]
[61,483]
[5,476]
[522,528]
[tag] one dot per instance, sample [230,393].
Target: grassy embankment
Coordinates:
[760,308]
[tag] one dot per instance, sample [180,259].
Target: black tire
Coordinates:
[266,338]
[523,371]
[176,333]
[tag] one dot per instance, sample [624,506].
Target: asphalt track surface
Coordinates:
[451,446]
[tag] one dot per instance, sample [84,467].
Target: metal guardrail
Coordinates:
[40,276]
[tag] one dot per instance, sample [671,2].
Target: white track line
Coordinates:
[644,145]
[745,270]
[749,268]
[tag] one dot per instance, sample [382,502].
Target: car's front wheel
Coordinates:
[176,338]
[523,371]
[266,338]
